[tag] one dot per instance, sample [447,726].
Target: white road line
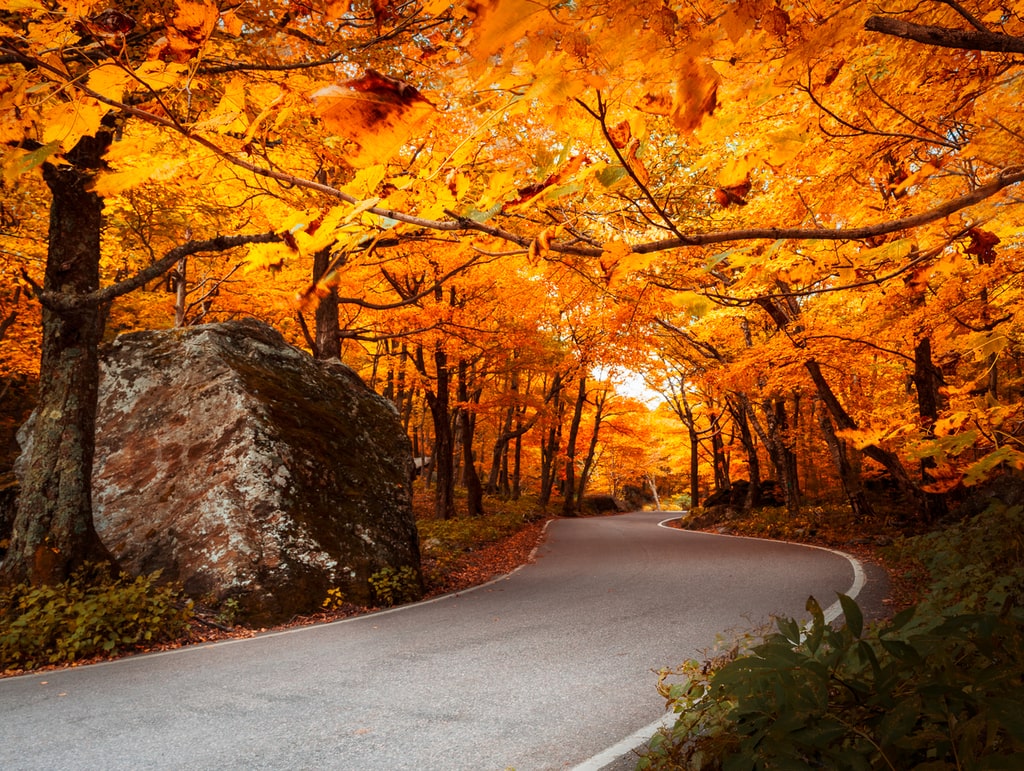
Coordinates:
[640,737]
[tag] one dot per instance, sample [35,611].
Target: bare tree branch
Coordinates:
[969,40]
[62,303]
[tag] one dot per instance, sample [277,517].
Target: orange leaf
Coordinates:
[377,113]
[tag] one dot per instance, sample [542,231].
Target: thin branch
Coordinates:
[412,298]
[944,37]
[971,18]
[219,69]
[601,116]
[860,130]
[62,303]
[860,342]
[1006,178]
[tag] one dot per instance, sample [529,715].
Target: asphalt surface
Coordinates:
[545,669]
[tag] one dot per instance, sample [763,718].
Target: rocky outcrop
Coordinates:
[239,466]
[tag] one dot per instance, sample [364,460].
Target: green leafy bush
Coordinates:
[83,618]
[939,686]
[393,587]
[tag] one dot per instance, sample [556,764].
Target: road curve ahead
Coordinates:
[541,670]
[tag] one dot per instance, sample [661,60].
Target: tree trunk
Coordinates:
[438,400]
[694,451]
[878,454]
[180,278]
[474,489]
[718,458]
[652,484]
[53,532]
[781,451]
[848,475]
[549,451]
[588,462]
[569,505]
[739,412]
[328,327]
[927,380]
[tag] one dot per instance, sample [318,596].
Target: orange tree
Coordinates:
[831,147]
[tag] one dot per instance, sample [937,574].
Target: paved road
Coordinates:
[542,670]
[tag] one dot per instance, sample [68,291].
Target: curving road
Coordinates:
[542,670]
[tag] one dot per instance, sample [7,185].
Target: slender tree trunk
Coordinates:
[569,505]
[718,457]
[652,484]
[180,277]
[691,429]
[588,462]
[328,325]
[549,451]
[781,451]
[927,380]
[848,475]
[843,420]
[53,533]
[739,411]
[438,400]
[474,489]
[517,456]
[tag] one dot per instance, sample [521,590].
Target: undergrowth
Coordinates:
[939,686]
[445,542]
[85,617]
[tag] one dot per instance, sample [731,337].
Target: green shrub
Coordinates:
[79,619]
[939,686]
[393,587]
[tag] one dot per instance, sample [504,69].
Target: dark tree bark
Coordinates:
[843,420]
[719,460]
[739,407]
[927,380]
[588,462]
[439,402]
[327,330]
[569,506]
[53,532]
[848,475]
[471,479]
[944,37]
[691,428]
[549,450]
[780,449]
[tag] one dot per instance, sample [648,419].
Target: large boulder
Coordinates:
[244,469]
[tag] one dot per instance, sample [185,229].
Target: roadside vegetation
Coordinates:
[93,617]
[937,686]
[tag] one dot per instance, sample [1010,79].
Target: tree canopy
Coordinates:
[799,220]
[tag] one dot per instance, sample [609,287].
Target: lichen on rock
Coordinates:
[243,468]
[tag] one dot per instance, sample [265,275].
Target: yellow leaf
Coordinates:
[159,75]
[229,114]
[111,183]
[500,23]
[270,257]
[361,207]
[110,81]
[70,121]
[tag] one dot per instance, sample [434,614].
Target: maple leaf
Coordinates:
[982,245]
[191,28]
[620,134]
[377,113]
[696,96]
[733,194]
